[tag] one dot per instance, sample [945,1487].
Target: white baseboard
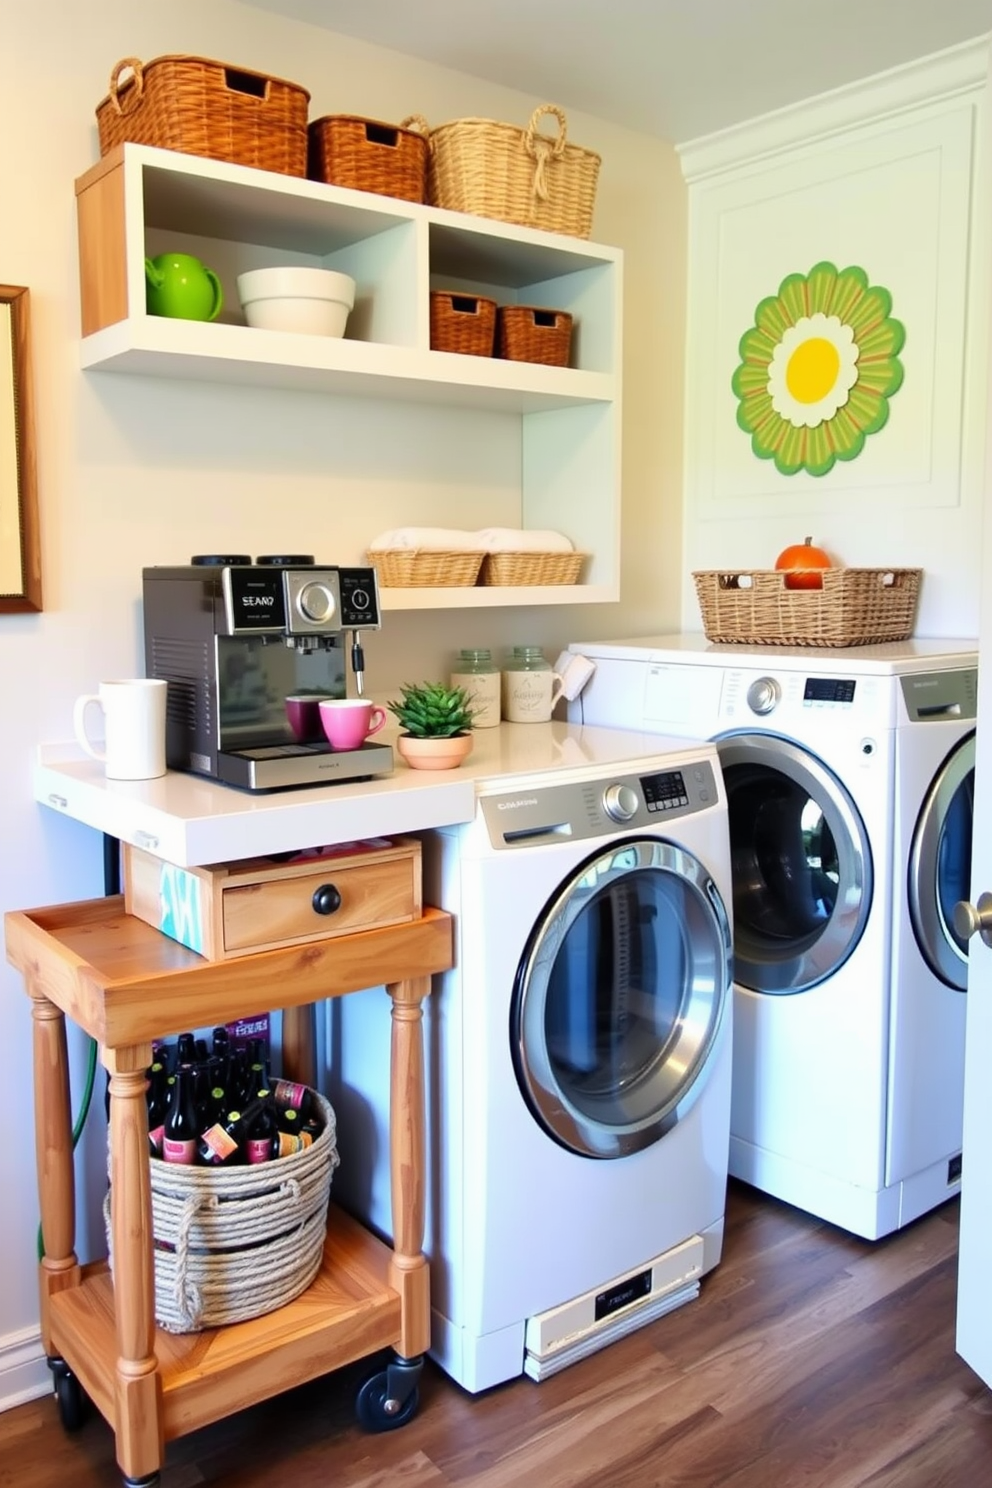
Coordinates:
[24,1372]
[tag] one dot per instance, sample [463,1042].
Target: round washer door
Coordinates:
[940,864]
[800,862]
[619,997]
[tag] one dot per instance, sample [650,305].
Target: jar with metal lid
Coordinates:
[530,688]
[475,670]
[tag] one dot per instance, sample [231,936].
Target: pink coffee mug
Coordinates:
[303,712]
[348,722]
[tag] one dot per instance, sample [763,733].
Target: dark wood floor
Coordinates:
[810,1360]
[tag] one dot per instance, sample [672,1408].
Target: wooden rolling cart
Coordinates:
[125,983]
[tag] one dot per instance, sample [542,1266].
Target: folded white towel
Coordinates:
[521,540]
[428,540]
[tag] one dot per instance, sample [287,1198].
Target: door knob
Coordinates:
[968,918]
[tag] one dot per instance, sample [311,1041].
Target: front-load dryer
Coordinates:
[578,1057]
[848,777]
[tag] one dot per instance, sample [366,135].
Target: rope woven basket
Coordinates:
[202,107]
[516,175]
[531,568]
[528,333]
[855,607]
[367,155]
[413,568]
[232,1244]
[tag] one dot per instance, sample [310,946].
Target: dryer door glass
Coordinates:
[619,997]
[940,864]
[800,863]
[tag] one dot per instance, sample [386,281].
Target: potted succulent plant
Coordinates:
[435,722]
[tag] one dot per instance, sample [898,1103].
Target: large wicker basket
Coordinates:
[367,155]
[202,107]
[855,607]
[415,568]
[516,175]
[234,1244]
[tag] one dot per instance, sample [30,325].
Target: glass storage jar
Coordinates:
[476,671]
[530,688]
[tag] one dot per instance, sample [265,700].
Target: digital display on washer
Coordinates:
[829,690]
[664,792]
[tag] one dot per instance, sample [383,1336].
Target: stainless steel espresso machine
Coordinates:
[234,639]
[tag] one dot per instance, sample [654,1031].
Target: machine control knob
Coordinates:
[620,802]
[969,918]
[317,603]
[763,695]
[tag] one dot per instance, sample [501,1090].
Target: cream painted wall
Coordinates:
[136,471]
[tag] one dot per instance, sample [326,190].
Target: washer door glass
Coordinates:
[800,862]
[619,997]
[940,864]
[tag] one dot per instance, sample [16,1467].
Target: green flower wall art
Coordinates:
[818,368]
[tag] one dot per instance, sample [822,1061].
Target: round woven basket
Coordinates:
[232,1244]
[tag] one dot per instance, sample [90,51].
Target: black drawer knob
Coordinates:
[326,899]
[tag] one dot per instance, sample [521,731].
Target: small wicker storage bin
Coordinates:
[528,333]
[413,568]
[232,1244]
[201,107]
[516,175]
[855,607]
[367,155]
[531,568]
[460,322]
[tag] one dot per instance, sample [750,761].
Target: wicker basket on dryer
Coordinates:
[202,107]
[855,607]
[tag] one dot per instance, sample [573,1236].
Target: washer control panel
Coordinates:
[598,808]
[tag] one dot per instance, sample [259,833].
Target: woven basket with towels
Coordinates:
[408,557]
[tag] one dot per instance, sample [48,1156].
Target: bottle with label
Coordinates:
[477,673]
[263,1132]
[180,1133]
[530,687]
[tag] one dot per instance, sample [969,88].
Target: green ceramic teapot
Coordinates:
[179,285]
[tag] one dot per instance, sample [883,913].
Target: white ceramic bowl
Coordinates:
[315,302]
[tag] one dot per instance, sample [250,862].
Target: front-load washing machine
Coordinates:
[578,1055]
[849,785]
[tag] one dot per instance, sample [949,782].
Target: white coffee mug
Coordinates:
[134,727]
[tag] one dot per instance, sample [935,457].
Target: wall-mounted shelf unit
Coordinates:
[140,201]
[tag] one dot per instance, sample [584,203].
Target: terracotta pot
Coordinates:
[434,754]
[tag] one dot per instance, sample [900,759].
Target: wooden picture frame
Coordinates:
[20,544]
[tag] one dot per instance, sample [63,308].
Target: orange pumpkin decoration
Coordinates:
[804,565]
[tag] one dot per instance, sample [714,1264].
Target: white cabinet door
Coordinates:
[974,1319]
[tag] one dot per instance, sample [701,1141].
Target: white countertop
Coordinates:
[191,821]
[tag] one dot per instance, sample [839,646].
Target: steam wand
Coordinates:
[357,661]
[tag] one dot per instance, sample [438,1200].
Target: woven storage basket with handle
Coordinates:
[855,607]
[367,155]
[232,1244]
[516,175]
[527,333]
[460,322]
[202,107]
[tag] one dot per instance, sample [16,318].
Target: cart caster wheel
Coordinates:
[389,1399]
[69,1394]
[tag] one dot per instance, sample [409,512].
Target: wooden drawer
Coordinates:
[229,909]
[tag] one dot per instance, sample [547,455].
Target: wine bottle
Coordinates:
[185,1050]
[181,1131]
[157,1098]
[292,1093]
[261,1142]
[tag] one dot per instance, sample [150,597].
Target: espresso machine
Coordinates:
[234,638]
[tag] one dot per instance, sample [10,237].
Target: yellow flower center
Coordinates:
[812,369]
